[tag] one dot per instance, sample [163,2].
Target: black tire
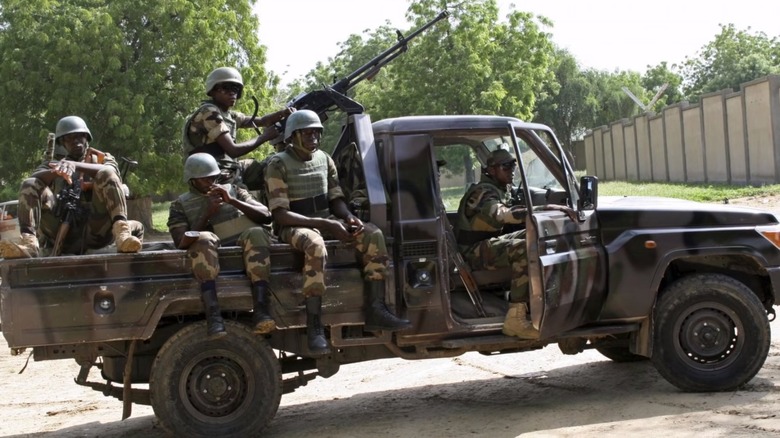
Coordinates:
[711,333]
[230,386]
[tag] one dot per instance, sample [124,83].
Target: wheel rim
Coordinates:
[215,385]
[709,337]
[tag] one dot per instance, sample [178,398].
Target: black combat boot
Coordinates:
[378,316]
[261,318]
[215,323]
[318,345]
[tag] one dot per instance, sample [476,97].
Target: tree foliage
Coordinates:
[658,76]
[133,69]
[732,58]
[568,103]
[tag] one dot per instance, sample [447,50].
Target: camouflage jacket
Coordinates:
[483,212]
[205,125]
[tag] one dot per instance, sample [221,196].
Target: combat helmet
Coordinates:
[302,119]
[224,74]
[200,165]
[69,125]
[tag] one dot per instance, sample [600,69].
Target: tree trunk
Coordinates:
[140,209]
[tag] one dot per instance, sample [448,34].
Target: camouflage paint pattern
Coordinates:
[484,209]
[106,200]
[370,244]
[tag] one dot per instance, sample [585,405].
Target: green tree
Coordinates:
[732,58]
[132,69]
[613,103]
[472,63]
[658,76]
[567,103]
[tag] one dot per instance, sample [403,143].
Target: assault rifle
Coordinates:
[335,96]
[68,209]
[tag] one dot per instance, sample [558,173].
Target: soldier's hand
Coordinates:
[220,192]
[339,230]
[354,225]
[64,169]
[562,208]
[270,132]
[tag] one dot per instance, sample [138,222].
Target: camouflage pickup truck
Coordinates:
[689,286]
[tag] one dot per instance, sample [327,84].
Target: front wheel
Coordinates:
[711,333]
[229,386]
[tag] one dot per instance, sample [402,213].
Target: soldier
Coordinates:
[308,206]
[210,214]
[212,128]
[483,212]
[257,172]
[102,208]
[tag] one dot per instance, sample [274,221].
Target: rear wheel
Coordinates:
[711,333]
[230,386]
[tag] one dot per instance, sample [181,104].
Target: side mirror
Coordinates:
[589,193]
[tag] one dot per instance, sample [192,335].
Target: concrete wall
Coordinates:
[727,137]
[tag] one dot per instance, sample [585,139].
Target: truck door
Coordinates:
[566,261]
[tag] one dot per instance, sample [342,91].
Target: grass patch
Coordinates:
[692,192]
[160,216]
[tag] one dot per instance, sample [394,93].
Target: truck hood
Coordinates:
[620,213]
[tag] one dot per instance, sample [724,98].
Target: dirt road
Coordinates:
[538,394]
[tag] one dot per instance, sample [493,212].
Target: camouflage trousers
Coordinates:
[503,251]
[91,229]
[370,244]
[255,243]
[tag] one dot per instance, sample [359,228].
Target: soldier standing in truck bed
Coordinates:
[308,207]
[212,129]
[210,215]
[102,206]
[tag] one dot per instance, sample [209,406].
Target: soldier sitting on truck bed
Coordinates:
[308,206]
[96,208]
[210,214]
[212,129]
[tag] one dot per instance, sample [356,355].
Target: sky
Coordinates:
[603,34]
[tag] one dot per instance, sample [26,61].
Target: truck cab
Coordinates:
[689,286]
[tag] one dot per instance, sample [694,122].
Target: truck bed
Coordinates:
[107,297]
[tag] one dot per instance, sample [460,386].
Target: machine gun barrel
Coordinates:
[334,96]
[370,68]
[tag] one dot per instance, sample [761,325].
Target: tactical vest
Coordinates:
[307,183]
[228,223]
[479,227]
[192,145]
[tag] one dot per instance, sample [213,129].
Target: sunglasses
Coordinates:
[508,166]
[235,88]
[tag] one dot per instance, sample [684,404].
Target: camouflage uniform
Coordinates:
[482,213]
[254,241]
[200,134]
[101,202]
[291,182]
